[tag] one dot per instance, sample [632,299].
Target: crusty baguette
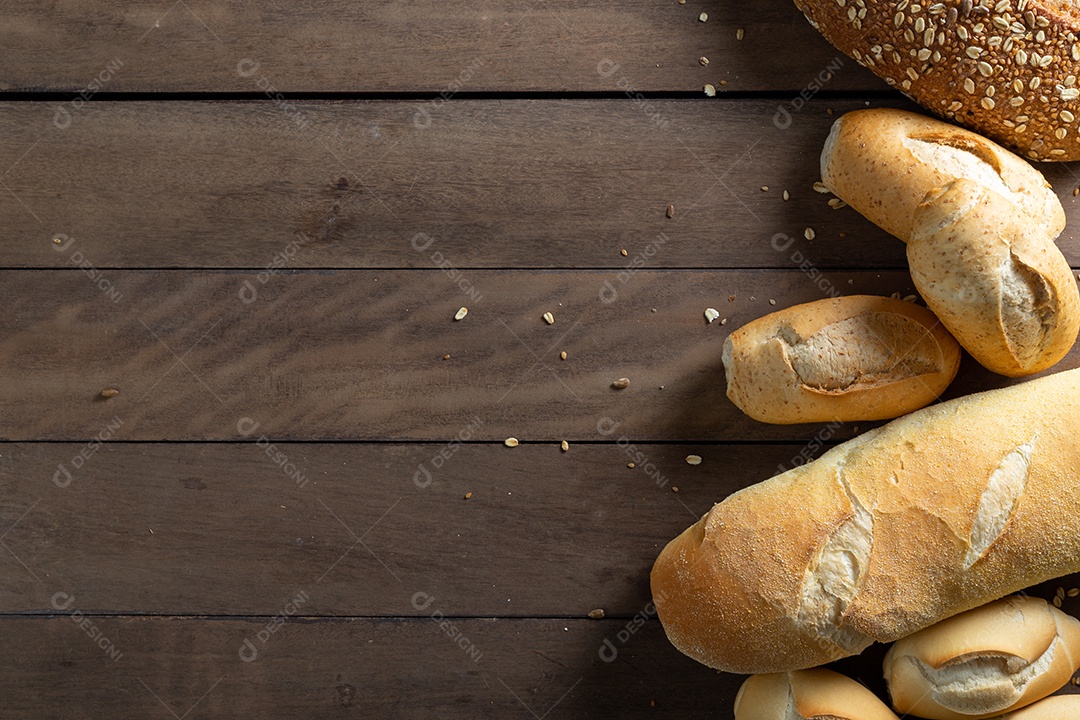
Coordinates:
[851,358]
[1062,707]
[996,281]
[883,162]
[984,662]
[1006,69]
[807,694]
[935,513]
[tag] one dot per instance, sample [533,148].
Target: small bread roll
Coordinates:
[849,358]
[883,162]
[807,694]
[984,662]
[997,281]
[1062,707]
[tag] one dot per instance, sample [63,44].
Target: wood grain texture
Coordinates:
[344,669]
[525,184]
[359,355]
[467,668]
[229,528]
[422,45]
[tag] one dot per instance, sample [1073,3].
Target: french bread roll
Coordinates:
[1006,68]
[883,162]
[807,694]
[1062,707]
[981,663]
[996,281]
[940,511]
[849,358]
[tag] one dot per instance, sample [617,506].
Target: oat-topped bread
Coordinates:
[1007,69]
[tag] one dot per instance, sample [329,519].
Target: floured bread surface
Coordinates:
[808,695]
[1028,310]
[999,284]
[938,512]
[998,501]
[832,580]
[870,349]
[852,358]
[984,662]
[884,162]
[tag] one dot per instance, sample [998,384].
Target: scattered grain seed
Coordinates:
[549,318]
[630,465]
[671,211]
[1073,592]
[598,613]
[1060,592]
[724,321]
[809,233]
[446,356]
[1057,601]
[703,17]
[621,383]
[764,188]
[837,203]
[711,314]
[771,301]
[710,90]
[461,313]
[510,442]
[562,355]
[820,187]
[895,296]
[468,495]
[564,446]
[910,298]
[674,488]
[740,34]
[703,60]
[57,241]
[693,459]
[731,298]
[787,196]
[752,298]
[1076,191]
[109,392]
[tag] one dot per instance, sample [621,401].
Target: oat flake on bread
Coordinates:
[1007,69]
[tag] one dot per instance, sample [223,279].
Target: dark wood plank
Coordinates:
[487,184]
[393,669]
[233,529]
[358,355]
[423,45]
[377,668]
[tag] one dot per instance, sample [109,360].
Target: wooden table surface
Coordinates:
[257,220]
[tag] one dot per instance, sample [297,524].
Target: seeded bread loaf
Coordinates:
[883,162]
[807,694]
[850,358]
[1007,69]
[981,663]
[933,514]
[996,281]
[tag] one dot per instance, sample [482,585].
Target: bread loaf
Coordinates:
[807,694]
[1062,707]
[996,281]
[981,663]
[883,163]
[935,513]
[1006,69]
[850,358]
